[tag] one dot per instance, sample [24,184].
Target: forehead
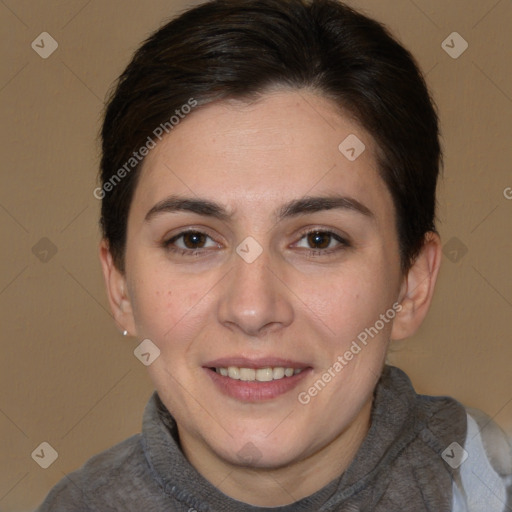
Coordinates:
[255,156]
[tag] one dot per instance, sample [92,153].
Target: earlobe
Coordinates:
[418,288]
[117,292]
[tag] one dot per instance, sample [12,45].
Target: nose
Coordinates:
[255,299]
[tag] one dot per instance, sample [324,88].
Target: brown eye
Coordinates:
[189,243]
[322,242]
[194,239]
[319,239]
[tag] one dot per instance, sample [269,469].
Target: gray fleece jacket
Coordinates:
[421,453]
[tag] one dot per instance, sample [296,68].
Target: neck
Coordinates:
[273,487]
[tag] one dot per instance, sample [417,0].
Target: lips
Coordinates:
[255,379]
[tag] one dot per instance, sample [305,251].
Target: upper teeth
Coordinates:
[259,374]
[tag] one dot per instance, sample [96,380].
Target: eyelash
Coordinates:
[343,243]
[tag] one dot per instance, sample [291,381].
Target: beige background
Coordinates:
[67,375]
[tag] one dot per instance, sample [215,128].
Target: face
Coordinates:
[256,254]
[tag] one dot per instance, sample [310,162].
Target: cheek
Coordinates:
[165,303]
[346,302]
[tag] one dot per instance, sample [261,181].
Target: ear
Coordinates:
[417,288]
[117,291]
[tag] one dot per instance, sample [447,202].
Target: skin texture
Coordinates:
[252,158]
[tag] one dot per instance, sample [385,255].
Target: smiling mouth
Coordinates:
[266,374]
[253,380]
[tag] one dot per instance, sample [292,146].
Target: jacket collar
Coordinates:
[402,423]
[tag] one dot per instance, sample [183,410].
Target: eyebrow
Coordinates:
[309,204]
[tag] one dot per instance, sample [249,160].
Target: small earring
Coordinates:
[125,332]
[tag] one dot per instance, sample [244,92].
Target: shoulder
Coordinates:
[101,474]
[475,452]
[484,480]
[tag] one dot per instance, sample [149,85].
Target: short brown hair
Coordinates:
[239,48]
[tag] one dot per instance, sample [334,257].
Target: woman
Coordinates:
[268,189]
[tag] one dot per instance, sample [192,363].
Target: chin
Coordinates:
[261,453]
